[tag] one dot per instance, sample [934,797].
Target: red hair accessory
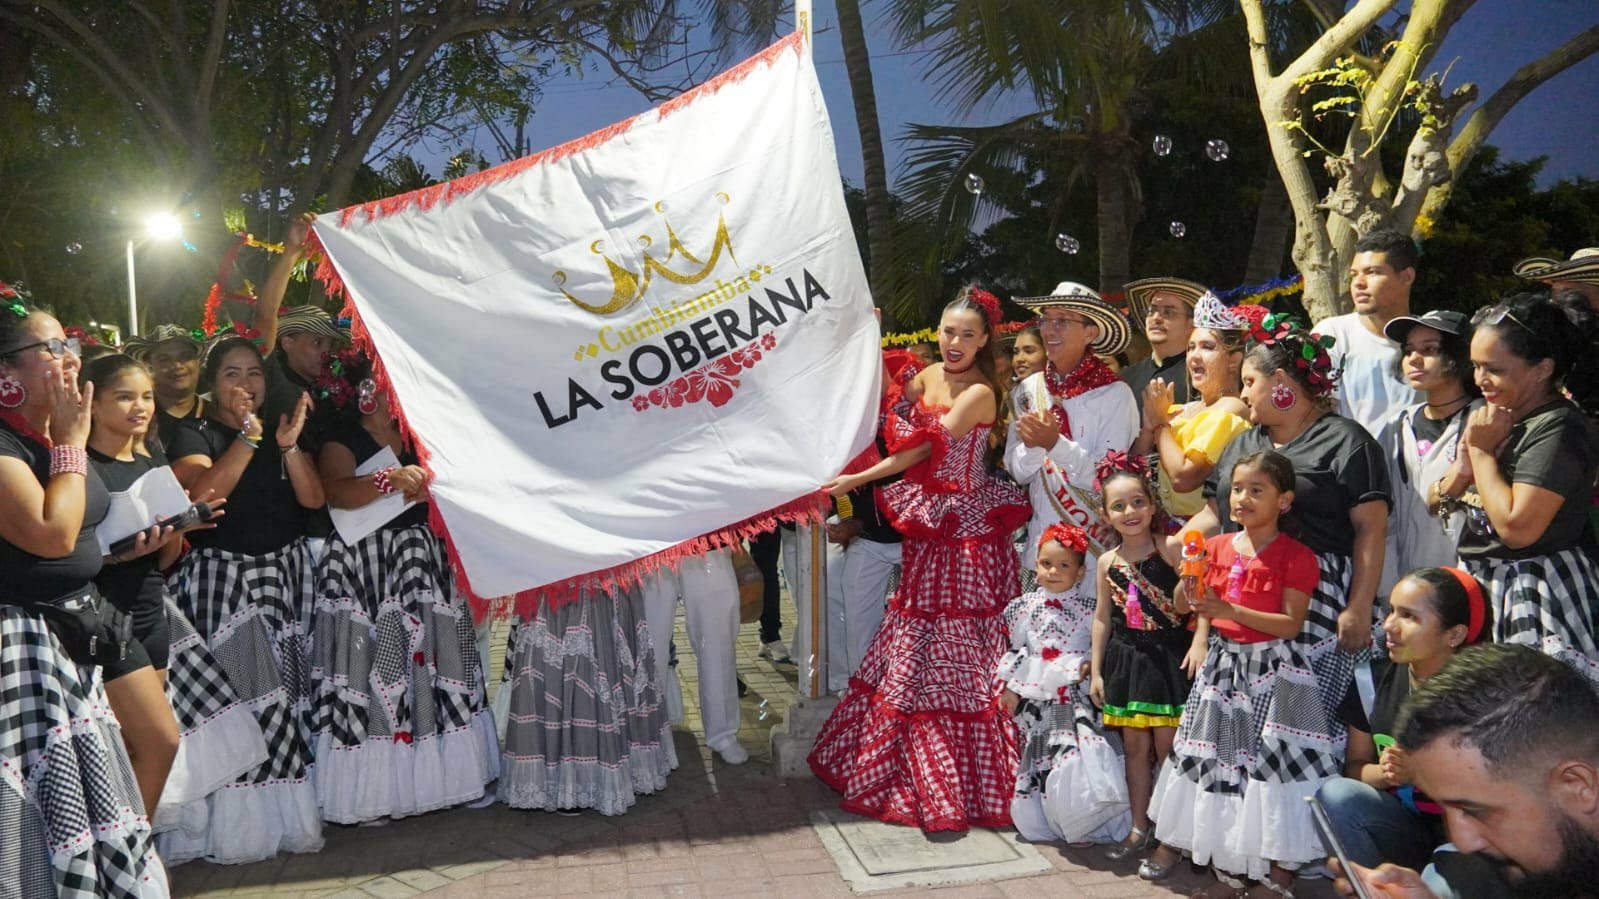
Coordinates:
[990,303]
[1116,462]
[1070,536]
[1477,605]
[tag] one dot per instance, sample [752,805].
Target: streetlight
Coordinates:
[159,226]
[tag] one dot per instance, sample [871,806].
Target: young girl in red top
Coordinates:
[1254,742]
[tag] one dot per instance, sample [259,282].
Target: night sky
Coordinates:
[1559,120]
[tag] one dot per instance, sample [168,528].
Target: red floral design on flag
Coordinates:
[714,382]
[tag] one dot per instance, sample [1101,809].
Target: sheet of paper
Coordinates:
[356,524]
[154,496]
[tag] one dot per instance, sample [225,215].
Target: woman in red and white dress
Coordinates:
[918,739]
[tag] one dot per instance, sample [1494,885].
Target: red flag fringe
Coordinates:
[806,509]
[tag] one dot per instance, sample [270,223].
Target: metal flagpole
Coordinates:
[817,581]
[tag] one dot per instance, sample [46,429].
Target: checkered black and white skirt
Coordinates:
[252,613]
[221,738]
[1546,602]
[71,820]
[1071,780]
[587,724]
[1318,638]
[1253,744]
[401,721]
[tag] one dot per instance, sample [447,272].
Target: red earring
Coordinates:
[12,393]
[1282,397]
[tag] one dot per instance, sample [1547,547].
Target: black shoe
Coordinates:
[743,688]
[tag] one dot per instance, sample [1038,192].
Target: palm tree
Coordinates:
[879,211]
[1083,64]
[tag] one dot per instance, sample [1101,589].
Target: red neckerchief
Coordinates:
[1090,374]
[19,424]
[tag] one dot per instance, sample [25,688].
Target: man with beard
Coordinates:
[1506,739]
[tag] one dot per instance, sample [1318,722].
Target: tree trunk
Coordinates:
[1274,222]
[1115,239]
[879,213]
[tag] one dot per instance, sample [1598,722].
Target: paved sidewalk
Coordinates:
[715,830]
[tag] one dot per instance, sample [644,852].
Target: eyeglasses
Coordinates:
[1493,315]
[1045,324]
[55,346]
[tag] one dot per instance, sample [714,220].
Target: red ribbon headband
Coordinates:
[1474,599]
[1070,536]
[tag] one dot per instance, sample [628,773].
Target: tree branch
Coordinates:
[108,63]
[1486,117]
[215,41]
[1334,40]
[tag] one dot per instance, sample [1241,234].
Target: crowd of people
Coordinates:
[1153,606]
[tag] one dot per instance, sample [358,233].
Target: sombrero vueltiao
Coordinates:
[1114,332]
[309,320]
[1583,266]
[1142,292]
[140,347]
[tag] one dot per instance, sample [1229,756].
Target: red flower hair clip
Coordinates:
[1070,536]
[977,296]
[1116,462]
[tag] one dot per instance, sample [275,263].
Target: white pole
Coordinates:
[802,22]
[133,296]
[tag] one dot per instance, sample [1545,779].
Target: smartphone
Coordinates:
[1328,839]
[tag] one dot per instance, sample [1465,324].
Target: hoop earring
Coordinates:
[368,405]
[1283,397]
[12,393]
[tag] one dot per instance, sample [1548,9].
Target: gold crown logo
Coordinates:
[628,286]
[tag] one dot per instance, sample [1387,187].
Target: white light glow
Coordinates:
[163,226]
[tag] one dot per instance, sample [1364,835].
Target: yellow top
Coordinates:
[1202,435]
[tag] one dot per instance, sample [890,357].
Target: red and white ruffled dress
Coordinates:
[918,739]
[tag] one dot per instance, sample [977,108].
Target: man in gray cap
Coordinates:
[172,353]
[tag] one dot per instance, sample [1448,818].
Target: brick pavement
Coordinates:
[715,830]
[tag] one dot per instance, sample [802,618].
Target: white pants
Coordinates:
[710,603]
[868,567]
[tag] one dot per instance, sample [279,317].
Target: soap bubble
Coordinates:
[1217,150]
[1067,244]
[74,248]
[1177,229]
[1162,145]
[975,184]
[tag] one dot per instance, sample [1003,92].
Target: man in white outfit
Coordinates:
[1070,414]
[1380,278]
[709,590]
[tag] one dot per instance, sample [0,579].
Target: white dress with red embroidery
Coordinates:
[918,739]
[1071,782]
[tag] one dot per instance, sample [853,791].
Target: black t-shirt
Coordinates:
[137,582]
[1553,447]
[1174,370]
[263,514]
[284,388]
[363,446]
[1428,430]
[30,578]
[1392,688]
[167,424]
[1337,466]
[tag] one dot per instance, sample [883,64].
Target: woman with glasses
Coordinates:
[249,586]
[1422,441]
[72,819]
[1525,478]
